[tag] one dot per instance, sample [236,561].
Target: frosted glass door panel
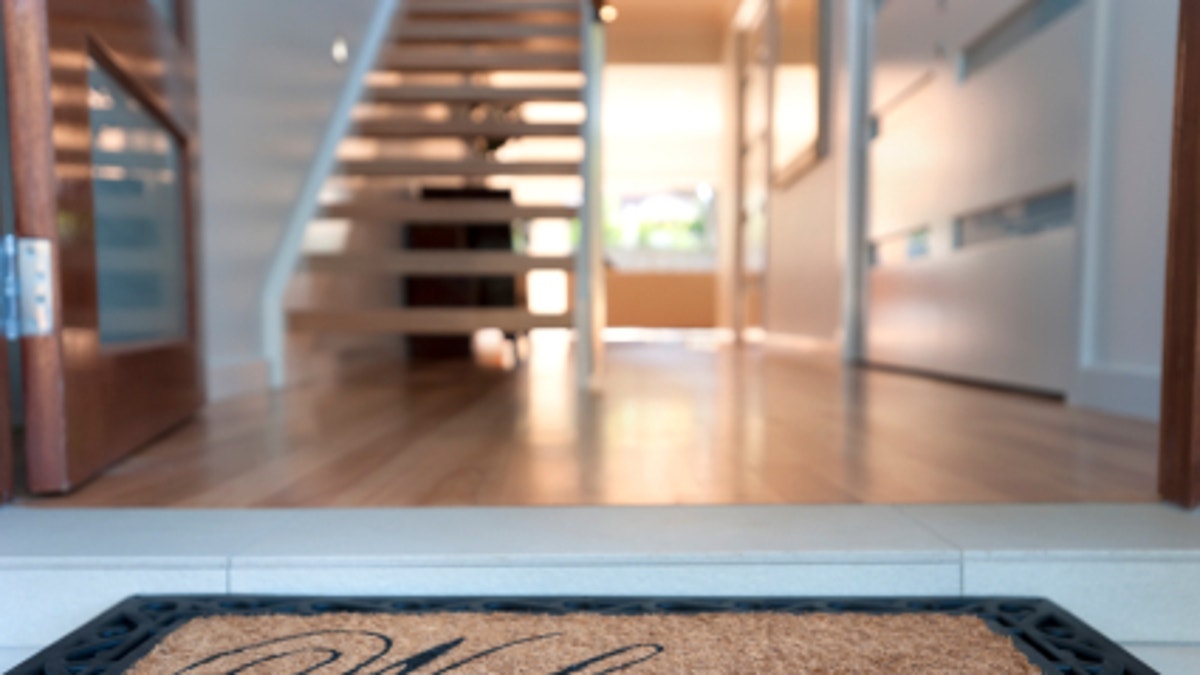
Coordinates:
[138,205]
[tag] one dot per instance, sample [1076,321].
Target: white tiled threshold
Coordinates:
[1132,571]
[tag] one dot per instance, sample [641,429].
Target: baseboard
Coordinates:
[234,378]
[1131,392]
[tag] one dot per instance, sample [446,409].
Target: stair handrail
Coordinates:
[272,308]
[590,303]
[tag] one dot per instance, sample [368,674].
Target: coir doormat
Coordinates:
[259,635]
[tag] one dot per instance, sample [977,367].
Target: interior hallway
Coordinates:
[697,425]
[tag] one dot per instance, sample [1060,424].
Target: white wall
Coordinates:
[1014,128]
[1113,138]
[1123,266]
[268,86]
[1088,101]
[1000,311]
[803,284]
[805,255]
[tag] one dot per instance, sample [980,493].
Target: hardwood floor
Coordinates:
[675,426]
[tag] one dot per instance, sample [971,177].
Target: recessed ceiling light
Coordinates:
[609,14]
[340,50]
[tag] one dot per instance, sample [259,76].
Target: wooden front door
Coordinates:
[103,112]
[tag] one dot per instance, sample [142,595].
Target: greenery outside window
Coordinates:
[668,229]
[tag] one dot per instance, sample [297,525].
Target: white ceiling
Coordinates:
[690,31]
[669,31]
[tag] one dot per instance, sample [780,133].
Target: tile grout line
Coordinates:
[962,554]
[386,562]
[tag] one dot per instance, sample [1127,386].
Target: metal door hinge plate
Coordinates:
[29,309]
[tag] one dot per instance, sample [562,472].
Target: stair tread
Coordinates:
[437,263]
[448,7]
[425,30]
[472,94]
[442,211]
[414,59]
[422,320]
[472,167]
[393,127]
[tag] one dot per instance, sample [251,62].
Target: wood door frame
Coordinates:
[1179,430]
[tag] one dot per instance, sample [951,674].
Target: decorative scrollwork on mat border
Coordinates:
[1051,637]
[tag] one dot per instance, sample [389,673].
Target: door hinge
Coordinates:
[28,277]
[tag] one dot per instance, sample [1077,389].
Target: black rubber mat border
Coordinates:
[1051,637]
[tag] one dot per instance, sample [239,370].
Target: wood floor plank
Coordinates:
[674,426]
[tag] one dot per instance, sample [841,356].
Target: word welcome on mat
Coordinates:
[206,635]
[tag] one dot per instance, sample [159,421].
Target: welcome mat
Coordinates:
[391,636]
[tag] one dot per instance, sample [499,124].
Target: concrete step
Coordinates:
[422,321]
[472,94]
[385,128]
[406,59]
[482,31]
[1132,571]
[437,263]
[438,212]
[469,167]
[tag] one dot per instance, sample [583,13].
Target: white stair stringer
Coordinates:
[437,83]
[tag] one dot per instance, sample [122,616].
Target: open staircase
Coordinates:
[450,91]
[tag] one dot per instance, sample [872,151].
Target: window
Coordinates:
[669,229]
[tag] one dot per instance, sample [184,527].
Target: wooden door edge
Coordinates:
[26,40]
